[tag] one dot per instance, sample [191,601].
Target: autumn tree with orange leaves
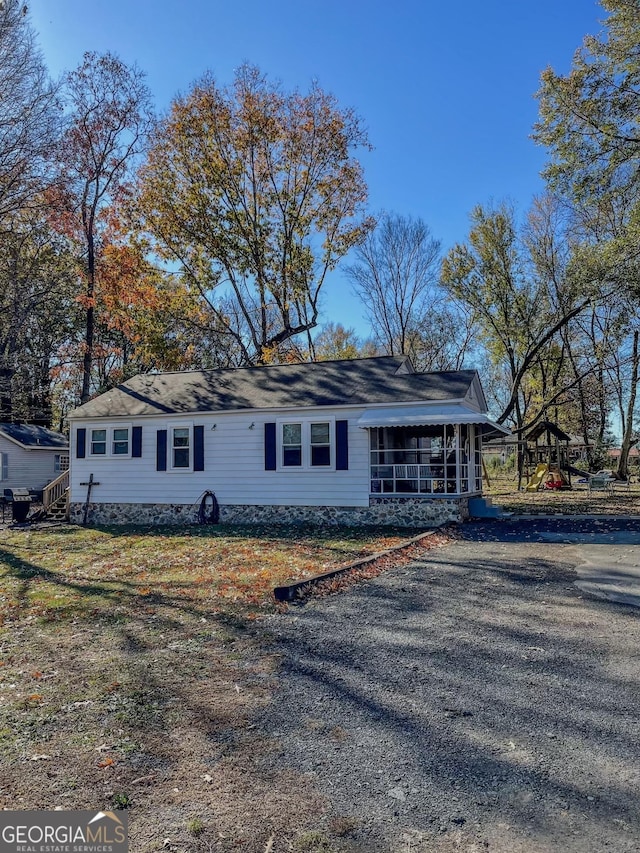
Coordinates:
[109,119]
[256,195]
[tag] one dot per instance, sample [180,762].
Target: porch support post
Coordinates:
[458,454]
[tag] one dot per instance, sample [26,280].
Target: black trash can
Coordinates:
[20,504]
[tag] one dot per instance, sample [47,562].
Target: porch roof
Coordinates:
[452,413]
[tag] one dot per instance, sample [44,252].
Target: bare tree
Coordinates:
[396,277]
[28,112]
[37,313]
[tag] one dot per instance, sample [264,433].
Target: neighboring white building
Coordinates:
[359,441]
[31,456]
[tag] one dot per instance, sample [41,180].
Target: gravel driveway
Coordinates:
[474,701]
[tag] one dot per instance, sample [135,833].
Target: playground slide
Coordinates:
[577,472]
[538,475]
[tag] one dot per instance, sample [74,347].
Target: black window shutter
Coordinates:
[136,442]
[342,445]
[161,450]
[81,443]
[270,447]
[198,448]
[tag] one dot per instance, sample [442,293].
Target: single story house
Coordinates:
[356,442]
[31,456]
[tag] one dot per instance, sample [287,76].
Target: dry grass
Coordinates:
[575,501]
[130,671]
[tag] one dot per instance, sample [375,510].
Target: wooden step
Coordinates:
[57,511]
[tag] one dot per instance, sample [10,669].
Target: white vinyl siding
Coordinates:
[234,454]
[27,469]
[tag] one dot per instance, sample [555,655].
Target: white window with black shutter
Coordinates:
[180,448]
[108,441]
[306,444]
[4,467]
[102,442]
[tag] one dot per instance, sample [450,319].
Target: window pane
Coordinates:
[181,457]
[320,455]
[120,446]
[98,442]
[181,437]
[292,433]
[319,433]
[292,456]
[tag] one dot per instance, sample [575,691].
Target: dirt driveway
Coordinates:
[475,701]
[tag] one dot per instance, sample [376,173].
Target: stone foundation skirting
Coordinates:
[400,512]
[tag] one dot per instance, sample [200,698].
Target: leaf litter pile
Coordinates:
[131,668]
[372,568]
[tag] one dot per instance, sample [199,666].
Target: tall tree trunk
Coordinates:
[623,463]
[520,454]
[87,359]
[8,356]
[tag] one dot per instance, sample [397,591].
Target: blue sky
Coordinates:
[445,89]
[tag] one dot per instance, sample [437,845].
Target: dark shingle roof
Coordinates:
[325,383]
[547,426]
[30,435]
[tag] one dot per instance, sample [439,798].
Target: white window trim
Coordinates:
[90,442]
[306,443]
[109,429]
[170,466]
[129,429]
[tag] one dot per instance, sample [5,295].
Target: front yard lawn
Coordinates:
[130,670]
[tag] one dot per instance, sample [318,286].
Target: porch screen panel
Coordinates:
[477,445]
[418,460]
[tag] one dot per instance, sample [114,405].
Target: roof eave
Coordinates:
[265,409]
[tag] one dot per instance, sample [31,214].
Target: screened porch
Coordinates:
[427,460]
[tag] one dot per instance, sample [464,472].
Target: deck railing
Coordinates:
[55,489]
